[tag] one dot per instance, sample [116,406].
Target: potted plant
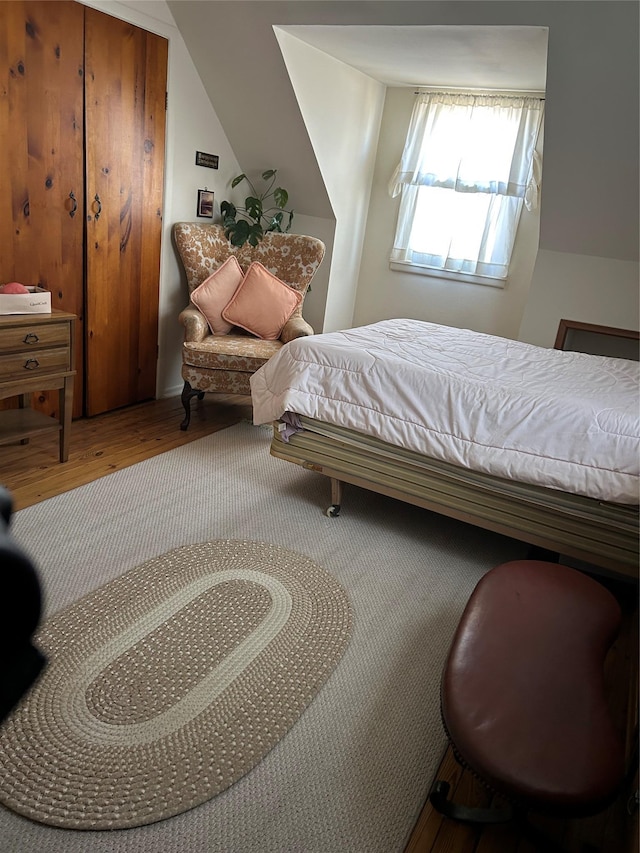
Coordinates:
[262,212]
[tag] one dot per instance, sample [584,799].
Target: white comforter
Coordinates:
[563,420]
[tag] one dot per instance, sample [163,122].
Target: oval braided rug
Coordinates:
[170,683]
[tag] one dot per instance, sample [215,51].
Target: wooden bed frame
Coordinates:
[600,534]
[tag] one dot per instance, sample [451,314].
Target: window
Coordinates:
[468,167]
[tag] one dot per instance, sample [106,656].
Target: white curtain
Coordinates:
[458,146]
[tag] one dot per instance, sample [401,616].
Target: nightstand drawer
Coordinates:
[26,365]
[34,336]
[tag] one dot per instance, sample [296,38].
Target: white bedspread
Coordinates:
[563,420]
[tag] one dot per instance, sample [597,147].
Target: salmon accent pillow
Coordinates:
[262,304]
[214,293]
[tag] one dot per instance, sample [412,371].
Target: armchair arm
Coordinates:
[195,325]
[294,328]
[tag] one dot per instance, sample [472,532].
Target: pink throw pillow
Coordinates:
[214,293]
[262,304]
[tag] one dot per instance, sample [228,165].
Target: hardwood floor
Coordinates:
[108,442]
[101,445]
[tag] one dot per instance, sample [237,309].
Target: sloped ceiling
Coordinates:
[237,56]
[450,56]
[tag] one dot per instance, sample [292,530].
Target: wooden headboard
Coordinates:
[598,340]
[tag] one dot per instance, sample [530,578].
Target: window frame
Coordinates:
[496,281]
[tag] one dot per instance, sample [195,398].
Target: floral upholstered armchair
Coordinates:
[246,303]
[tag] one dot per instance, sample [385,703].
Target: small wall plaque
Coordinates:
[208,160]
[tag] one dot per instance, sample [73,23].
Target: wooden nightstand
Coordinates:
[36,354]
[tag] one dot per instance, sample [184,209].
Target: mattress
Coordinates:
[561,420]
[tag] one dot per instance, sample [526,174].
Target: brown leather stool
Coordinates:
[522,694]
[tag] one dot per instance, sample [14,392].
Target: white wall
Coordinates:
[587,267]
[191,126]
[384,293]
[580,287]
[342,110]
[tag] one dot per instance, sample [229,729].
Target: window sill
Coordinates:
[466,278]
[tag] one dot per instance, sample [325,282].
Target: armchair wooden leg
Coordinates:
[187,393]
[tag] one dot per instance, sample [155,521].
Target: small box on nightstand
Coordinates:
[37,301]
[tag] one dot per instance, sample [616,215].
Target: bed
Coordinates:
[539,444]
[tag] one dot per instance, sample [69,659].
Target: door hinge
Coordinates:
[166,101]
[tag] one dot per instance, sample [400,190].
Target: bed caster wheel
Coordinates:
[333,511]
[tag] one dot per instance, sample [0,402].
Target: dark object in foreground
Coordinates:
[20,609]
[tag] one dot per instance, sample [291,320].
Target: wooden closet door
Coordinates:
[126,72]
[41,156]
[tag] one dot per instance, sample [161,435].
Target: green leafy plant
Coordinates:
[262,212]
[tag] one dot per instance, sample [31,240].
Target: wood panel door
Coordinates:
[41,166]
[125,79]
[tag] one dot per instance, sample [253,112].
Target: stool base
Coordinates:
[480,816]
[466,814]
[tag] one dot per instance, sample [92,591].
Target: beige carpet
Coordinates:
[169,683]
[352,774]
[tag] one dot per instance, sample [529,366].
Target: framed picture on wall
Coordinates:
[205,204]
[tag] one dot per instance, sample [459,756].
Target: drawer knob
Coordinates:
[31,364]
[31,338]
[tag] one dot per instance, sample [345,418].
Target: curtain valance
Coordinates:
[473,144]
